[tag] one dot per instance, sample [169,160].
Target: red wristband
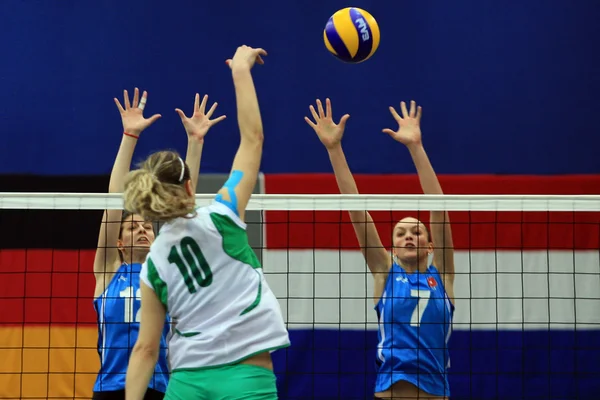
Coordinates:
[130,135]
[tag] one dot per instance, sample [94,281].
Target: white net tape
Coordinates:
[294,202]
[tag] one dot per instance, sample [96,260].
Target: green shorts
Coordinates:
[235,382]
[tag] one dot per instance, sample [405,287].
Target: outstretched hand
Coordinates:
[409,129]
[132,116]
[199,123]
[328,131]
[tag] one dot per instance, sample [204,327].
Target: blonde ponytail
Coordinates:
[157,190]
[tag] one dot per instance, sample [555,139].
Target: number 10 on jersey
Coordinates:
[194,263]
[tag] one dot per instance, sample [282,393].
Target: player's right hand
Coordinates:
[245,57]
[329,133]
[132,116]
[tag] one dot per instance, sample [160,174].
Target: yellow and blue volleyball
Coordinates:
[352,35]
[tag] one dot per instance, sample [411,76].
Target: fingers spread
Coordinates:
[328,112]
[320,107]
[121,110]
[181,113]
[212,109]
[142,104]
[203,104]
[343,120]
[126,100]
[153,119]
[413,107]
[403,109]
[314,113]
[309,122]
[136,97]
[218,119]
[395,114]
[196,102]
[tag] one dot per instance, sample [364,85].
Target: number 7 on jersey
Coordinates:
[423,296]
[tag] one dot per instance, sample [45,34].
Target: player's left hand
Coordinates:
[199,123]
[409,129]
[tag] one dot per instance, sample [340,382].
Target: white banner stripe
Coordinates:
[494,290]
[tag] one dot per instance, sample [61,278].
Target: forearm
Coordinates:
[431,185]
[192,159]
[343,175]
[122,164]
[248,111]
[139,372]
[429,181]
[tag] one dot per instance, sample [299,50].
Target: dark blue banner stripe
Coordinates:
[485,365]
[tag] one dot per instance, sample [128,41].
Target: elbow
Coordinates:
[254,136]
[146,351]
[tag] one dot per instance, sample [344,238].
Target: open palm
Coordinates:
[132,115]
[409,125]
[199,123]
[329,133]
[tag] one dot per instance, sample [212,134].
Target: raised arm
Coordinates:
[107,253]
[197,127]
[239,187]
[409,134]
[377,258]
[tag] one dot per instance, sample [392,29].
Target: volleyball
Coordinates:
[352,35]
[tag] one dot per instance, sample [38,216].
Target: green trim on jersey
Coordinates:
[258,296]
[235,240]
[187,334]
[160,287]
[233,362]
[236,246]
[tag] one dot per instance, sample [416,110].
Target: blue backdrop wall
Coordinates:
[507,87]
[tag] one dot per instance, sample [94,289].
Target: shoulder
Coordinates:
[219,213]
[151,273]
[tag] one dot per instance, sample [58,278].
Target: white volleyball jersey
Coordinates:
[211,282]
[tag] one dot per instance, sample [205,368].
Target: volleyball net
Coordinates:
[527,292]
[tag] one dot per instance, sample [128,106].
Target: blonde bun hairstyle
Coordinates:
[157,190]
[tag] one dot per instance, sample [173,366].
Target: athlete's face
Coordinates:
[136,235]
[411,241]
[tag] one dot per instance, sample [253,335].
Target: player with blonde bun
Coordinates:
[203,272]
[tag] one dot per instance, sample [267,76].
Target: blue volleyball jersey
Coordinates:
[118,310]
[415,323]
